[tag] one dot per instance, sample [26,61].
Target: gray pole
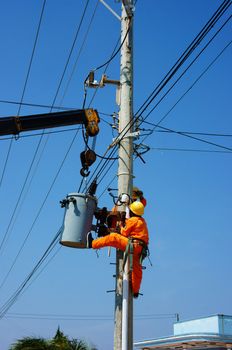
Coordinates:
[123,332]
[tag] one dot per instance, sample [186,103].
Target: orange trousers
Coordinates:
[118,241]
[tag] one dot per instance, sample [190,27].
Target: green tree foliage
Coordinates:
[30,343]
[58,342]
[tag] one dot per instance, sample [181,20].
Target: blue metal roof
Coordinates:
[197,341]
[206,332]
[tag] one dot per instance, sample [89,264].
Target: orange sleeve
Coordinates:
[130,224]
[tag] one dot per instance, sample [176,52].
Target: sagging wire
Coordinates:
[24,89]
[174,69]
[14,297]
[85,94]
[185,93]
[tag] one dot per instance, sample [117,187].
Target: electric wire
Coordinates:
[6,234]
[44,267]
[187,150]
[136,118]
[184,72]
[22,246]
[8,304]
[123,132]
[24,89]
[199,133]
[33,160]
[187,132]
[183,95]
[195,138]
[197,40]
[4,238]
[76,317]
[37,105]
[117,51]
[44,133]
[38,212]
[114,53]
[56,131]
[106,64]
[32,57]
[80,51]
[70,53]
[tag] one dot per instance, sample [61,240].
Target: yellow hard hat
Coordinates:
[137,208]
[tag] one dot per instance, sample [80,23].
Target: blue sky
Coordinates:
[188,190]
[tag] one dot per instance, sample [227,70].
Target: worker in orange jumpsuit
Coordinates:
[134,232]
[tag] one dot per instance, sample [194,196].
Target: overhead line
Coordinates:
[187,150]
[32,56]
[24,89]
[197,40]
[8,304]
[182,74]
[123,132]
[5,236]
[44,133]
[86,317]
[36,105]
[195,138]
[187,132]
[194,83]
[70,53]
[80,51]
[114,53]
[118,50]
[39,211]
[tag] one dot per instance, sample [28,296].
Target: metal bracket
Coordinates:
[119,138]
[110,9]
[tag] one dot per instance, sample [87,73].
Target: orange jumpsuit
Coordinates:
[136,227]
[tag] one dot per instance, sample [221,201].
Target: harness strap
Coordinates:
[130,249]
[128,254]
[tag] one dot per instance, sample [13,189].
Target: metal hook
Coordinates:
[84,172]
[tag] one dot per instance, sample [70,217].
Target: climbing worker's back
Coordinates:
[136,227]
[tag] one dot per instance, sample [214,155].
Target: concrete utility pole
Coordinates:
[123,332]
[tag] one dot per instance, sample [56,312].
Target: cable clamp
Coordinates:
[118,139]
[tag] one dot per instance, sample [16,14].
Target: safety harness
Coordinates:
[130,250]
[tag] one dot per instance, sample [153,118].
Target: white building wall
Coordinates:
[219,324]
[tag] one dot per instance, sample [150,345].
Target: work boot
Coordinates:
[89,240]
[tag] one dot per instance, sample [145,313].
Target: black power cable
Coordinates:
[36,105]
[182,74]
[7,305]
[197,40]
[39,211]
[40,140]
[194,138]
[187,150]
[194,83]
[221,10]
[24,88]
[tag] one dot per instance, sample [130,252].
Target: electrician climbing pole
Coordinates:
[123,335]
